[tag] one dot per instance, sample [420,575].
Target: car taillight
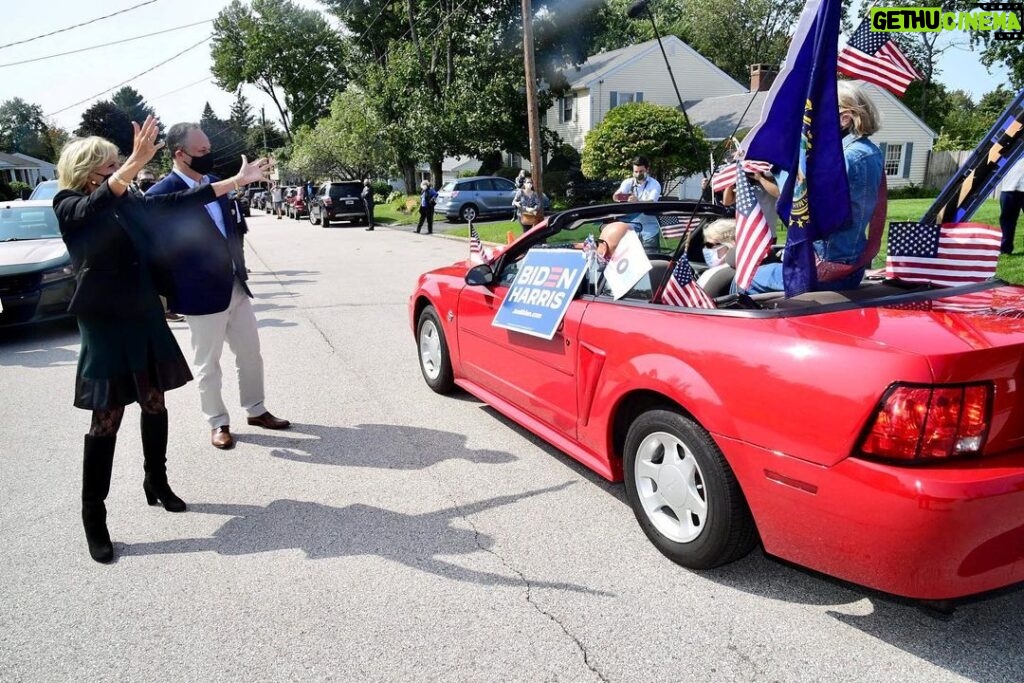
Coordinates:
[922,424]
[453,194]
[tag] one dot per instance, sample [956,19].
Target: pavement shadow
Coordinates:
[417,541]
[40,346]
[269,306]
[274,322]
[378,446]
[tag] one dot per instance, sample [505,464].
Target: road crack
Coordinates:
[529,592]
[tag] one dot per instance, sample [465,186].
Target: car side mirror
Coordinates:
[480,275]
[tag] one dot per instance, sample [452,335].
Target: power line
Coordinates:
[201,80]
[104,92]
[96,47]
[84,23]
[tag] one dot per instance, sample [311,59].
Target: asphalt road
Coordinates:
[393,534]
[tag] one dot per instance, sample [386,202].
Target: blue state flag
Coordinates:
[799,132]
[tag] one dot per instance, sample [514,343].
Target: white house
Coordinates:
[26,169]
[904,138]
[633,74]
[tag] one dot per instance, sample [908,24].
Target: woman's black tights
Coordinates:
[107,422]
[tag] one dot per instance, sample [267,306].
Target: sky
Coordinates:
[172,89]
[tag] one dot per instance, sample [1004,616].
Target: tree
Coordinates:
[23,130]
[226,144]
[109,121]
[657,132]
[285,51]
[131,102]
[241,117]
[344,145]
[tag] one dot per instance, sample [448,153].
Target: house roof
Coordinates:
[604,63]
[718,116]
[13,161]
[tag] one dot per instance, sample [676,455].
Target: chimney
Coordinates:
[761,77]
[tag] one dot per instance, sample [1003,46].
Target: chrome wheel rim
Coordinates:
[670,486]
[469,214]
[430,349]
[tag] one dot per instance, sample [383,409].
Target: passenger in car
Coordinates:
[843,250]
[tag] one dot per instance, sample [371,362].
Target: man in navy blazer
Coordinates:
[205,269]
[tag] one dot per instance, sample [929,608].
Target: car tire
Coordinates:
[432,349]
[469,213]
[683,492]
[325,221]
[311,219]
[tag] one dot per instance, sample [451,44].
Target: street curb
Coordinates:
[443,235]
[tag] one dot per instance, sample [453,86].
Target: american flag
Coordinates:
[476,247]
[676,226]
[682,288]
[873,57]
[950,254]
[725,176]
[753,234]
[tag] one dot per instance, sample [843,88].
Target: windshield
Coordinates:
[45,190]
[27,223]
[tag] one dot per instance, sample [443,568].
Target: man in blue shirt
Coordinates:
[428,197]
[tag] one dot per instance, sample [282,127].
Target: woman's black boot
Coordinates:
[154,449]
[98,461]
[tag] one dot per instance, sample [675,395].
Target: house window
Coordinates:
[565,109]
[618,98]
[893,159]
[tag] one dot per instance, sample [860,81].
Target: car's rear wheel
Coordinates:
[468,213]
[313,221]
[435,363]
[683,492]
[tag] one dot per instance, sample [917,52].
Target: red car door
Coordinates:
[533,374]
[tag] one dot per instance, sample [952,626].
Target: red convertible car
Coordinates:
[876,435]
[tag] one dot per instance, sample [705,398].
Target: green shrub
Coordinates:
[913,192]
[565,157]
[506,172]
[20,189]
[380,189]
[556,183]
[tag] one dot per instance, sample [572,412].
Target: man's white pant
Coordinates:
[236,325]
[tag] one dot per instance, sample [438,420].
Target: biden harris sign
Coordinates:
[542,291]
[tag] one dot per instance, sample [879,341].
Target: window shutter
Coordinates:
[561,110]
[639,97]
[908,156]
[882,146]
[575,108]
[614,100]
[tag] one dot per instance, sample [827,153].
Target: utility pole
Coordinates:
[532,113]
[263,118]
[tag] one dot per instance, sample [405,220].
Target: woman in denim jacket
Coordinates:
[864,165]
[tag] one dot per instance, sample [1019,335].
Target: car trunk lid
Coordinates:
[966,336]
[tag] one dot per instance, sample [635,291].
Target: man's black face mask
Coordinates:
[201,165]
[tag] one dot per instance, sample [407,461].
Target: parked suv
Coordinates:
[471,198]
[337,201]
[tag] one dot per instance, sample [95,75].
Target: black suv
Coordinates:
[337,201]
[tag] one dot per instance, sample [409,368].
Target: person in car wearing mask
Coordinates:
[641,187]
[203,253]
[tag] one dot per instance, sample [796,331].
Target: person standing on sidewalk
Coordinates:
[1011,201]
[208,285]
[428,197]
[368,203]
[277,199]
[127,354]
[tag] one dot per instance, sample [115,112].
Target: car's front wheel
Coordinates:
[313,221]
[468,213]
[683,492]
[435,363]
[325,220]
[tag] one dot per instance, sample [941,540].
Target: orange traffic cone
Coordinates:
[509,238]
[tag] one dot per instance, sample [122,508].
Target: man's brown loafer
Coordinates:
[268,421]
[221,438]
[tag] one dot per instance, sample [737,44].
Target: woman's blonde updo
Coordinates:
[80,157]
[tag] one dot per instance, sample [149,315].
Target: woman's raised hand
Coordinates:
[252,171]
[145,145]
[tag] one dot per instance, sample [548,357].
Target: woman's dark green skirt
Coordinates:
[123,360]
